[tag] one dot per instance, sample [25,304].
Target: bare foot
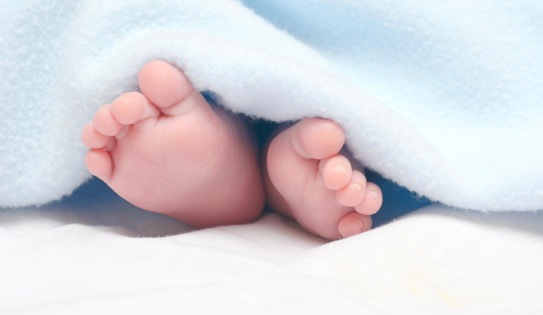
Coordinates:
[167,150]
[308,180]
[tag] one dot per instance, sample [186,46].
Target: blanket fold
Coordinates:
[442,98]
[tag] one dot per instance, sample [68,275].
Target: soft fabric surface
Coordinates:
[443,98]
[108,257]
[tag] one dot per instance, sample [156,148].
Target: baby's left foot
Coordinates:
[309,180]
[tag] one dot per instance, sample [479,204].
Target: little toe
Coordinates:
[132,107]
[336,172]
[353,194]
[92,138]
[318,138]
[354,223]
[105,123]
[99,163]
[373,199]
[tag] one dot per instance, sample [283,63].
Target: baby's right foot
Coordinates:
[308,180]
[167,150]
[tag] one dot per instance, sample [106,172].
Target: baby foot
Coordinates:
[308,180]
[167,150]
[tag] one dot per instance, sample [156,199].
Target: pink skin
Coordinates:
[167,150]
[307,179]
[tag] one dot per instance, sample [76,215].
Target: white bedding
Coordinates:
[69,258]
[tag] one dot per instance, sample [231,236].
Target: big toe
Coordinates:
[318,138]
[163,84]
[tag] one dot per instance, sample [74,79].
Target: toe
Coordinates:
[105,123]
[99,163]
[336,172]
[373,199]
[132,107]
[353,194]
[168,88]
[92,138]
[354,223]
[318,138]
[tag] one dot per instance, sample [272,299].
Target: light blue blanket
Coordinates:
[442,97]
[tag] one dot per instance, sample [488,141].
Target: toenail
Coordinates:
[374,194]
[341,168]
[360,225]
[358,187]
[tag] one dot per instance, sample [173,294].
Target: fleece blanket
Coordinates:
[441,97]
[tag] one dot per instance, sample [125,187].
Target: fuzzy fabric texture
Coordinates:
[443,98]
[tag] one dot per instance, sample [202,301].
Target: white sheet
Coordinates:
[66,258]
